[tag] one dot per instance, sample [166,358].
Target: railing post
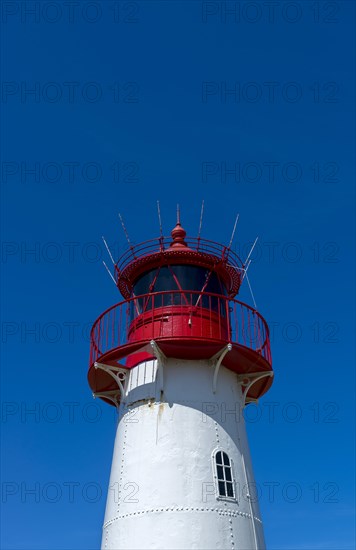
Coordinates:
[99,336]
[228,320]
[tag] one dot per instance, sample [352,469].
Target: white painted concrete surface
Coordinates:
[163,491]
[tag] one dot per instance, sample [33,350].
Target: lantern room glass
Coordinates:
[183,278]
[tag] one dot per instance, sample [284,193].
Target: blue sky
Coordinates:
[133,102]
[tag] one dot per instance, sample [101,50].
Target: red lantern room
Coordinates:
[179,293]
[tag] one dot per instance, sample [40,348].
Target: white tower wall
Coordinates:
[163,489]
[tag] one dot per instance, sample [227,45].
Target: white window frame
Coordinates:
[216,480]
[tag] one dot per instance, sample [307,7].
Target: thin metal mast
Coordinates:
[159,219]
[233,232]
[126,234]
[108,249]
[249,286]
[108,270]
[244,269]
[201,220]
[253,246]
[160,225]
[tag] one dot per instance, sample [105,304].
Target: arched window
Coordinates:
[225,484]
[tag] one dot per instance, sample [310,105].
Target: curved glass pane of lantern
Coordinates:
[179,277]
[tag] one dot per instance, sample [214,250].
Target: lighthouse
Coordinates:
[180,357]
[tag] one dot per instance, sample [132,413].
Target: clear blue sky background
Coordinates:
[167,129]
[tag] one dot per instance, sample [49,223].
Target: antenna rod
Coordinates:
[125,231]
[159,219]
[108,249]
[233,232]
[178,214]
[253,246]
[108,270]
[246,268]
[249,286]
[201,218]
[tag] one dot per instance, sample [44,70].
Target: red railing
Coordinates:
[179,314]
[161,244]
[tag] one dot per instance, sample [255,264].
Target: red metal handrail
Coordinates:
[162,244]
[214,317]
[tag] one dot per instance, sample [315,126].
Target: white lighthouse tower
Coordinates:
[180,357]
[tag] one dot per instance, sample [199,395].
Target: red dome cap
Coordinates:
[178,236]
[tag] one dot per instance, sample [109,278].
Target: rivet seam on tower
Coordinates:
[121,468]
[220,511]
